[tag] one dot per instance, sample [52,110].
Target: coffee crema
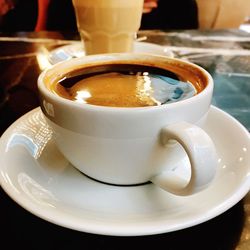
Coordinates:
[125,85]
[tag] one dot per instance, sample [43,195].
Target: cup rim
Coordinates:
[92,59]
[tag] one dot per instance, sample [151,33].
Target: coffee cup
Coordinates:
[129,118]
[108,26]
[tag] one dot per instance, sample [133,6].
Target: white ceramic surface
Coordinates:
[36,176]
[76,50]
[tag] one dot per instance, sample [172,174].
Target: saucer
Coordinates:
[35,175]
[76,49]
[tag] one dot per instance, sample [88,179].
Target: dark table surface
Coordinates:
[225,54]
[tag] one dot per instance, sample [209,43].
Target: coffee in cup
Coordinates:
[128,85]
[131,142]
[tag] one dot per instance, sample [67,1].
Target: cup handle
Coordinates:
[202,155]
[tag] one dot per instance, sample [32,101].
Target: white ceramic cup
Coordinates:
[127,146]
[108,26]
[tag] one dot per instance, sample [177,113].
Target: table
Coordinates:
[224,53]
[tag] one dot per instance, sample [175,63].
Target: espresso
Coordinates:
[125,85]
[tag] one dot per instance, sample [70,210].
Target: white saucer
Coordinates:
[76,49]
[37,177]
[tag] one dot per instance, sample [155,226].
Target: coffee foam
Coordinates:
[137,86]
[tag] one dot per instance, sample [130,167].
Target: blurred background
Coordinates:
[30,15]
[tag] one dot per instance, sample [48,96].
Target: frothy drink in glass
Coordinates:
[108,26]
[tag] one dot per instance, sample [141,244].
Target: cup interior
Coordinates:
[94,64]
